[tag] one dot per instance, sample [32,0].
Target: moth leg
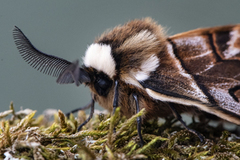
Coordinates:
[90,116]
[79,109]
[139,120]
[115,100]
[179,118]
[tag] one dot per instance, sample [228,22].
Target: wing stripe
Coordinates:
[175,52]
[165,92]
[231,91]
[214,51]
[218,111]
[45,63]
[201,87]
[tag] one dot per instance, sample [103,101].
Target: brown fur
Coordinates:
[133,54]
[138,40]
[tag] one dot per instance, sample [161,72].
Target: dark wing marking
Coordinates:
[47,64]
[211,51]
[204,63]
[175,84]
[219,88]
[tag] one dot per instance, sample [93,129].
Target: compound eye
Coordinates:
[103,85]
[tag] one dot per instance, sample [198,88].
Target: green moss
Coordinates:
[23,136]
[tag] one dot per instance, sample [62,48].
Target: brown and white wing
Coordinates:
[211,51]
[206,72]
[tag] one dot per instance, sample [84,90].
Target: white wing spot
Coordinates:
[232,51]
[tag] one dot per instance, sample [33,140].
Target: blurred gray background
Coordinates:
[66,28]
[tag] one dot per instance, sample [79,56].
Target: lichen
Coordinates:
[109,137]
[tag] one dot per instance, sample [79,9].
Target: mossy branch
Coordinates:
[22,136]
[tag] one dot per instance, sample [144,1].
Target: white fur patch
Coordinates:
[146,68]
[99,57]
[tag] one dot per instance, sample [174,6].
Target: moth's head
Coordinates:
[100,65]
[115,51]
[112,55]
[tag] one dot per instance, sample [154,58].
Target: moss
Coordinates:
[109,137]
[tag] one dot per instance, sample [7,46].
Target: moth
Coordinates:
[137,66]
